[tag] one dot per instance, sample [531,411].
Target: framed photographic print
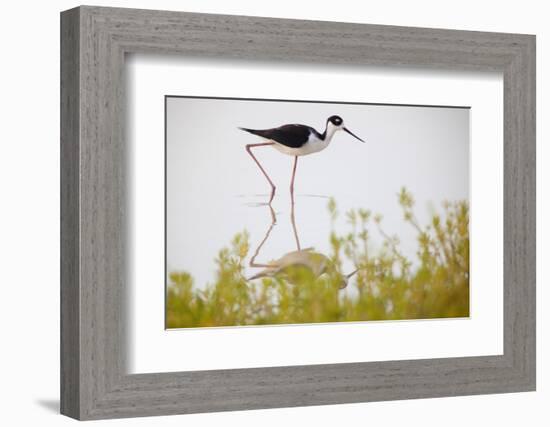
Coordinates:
[262,213]
[316,273]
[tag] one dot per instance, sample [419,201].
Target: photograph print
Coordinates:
[301,212]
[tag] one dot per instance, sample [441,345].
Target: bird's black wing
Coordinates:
[293,136]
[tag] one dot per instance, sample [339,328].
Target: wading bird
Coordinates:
[296,140]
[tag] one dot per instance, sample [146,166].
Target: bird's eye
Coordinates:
[335,120]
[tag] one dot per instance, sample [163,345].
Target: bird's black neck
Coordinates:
[323,135]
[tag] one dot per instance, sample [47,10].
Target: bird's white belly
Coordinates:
[314,145]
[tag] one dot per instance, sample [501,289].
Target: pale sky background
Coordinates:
[214,189]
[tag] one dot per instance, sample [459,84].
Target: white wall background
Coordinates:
[29,224]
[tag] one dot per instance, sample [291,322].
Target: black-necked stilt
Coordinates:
[296,140]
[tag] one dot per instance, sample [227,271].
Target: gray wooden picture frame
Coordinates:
[94,382]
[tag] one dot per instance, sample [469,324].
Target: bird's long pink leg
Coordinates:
[248,148]
[292,180]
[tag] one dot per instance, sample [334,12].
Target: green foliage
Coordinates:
[387,287]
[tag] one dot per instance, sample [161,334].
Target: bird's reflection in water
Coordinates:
[298,263]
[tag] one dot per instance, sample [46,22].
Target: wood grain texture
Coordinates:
[70,290]
[94,201]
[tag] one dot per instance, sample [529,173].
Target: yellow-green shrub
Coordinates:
[387,285]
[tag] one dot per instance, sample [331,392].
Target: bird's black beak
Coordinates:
[352,134]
